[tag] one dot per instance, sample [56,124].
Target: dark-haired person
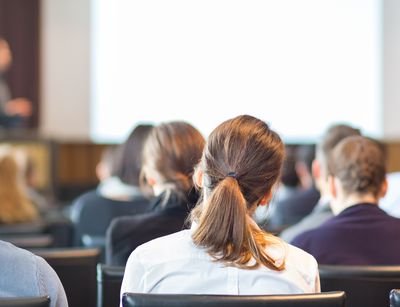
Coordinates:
[286,211]
[170,154]
[360,233]
[225,252]
[117,194]
[322,211]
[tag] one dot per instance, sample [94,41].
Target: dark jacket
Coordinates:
[292,209]
[169,213]
[362,234]
[93,213]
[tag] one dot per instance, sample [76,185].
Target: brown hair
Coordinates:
[359,164]
[330,139]
[173,150]
[15,206]
[241,163]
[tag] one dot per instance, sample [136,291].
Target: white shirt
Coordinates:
[174,264]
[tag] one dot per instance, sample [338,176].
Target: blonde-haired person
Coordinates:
[170,154]
[225,252]
[15,206]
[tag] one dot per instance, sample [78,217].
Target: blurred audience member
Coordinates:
[225,252]
[322,210]
[124,166]
[360,233]
[169,155]
[117,194]
[289,185]
[286,211]
[15,206]
[12,111]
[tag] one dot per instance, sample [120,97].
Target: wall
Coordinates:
[391,69]
[65,77]
[65,68]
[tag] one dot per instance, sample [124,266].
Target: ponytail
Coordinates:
[226,230]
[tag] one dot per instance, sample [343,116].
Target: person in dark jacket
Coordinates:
[360,233]
[170,154]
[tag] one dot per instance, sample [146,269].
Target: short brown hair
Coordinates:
[173,150]
[241,163]
[330,139]
[359,164]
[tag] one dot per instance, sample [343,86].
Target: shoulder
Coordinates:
[10,252]
[173,247]
[304,264]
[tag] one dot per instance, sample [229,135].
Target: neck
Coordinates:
[352,200]
[158,189]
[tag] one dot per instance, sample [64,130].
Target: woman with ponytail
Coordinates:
[169,156]
[225,252]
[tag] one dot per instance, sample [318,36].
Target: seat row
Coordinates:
[327,299]
[89,284]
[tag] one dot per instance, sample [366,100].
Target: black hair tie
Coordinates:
[232,174]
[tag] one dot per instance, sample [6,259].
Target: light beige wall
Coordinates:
[65,69]
[391,69]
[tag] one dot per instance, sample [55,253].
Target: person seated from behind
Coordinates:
[24,274]
[117,194]
[284,212]
[319,168]
[125,163]
[169,155]
[360,233]
[15,206]
[224,251]
[271,217]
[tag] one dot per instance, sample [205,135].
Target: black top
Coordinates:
[169,213]
[362,234]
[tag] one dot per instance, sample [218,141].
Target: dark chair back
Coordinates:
[109,280]
[395,298]
[367,286]
[333,299]
[76,269]
[29,241]
[25,302]
[90,205]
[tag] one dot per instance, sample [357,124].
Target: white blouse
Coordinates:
[174,264]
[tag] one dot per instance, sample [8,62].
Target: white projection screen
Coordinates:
[299,65]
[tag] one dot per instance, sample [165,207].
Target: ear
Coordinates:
[332,186]
[384,189]
[151,181]
[266,198]
[316,169]
[198,177]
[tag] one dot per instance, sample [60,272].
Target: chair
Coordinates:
[76,269]
[332,299]
[109,280]
[25,302]
[367,286]
[29,241]
[395,298]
